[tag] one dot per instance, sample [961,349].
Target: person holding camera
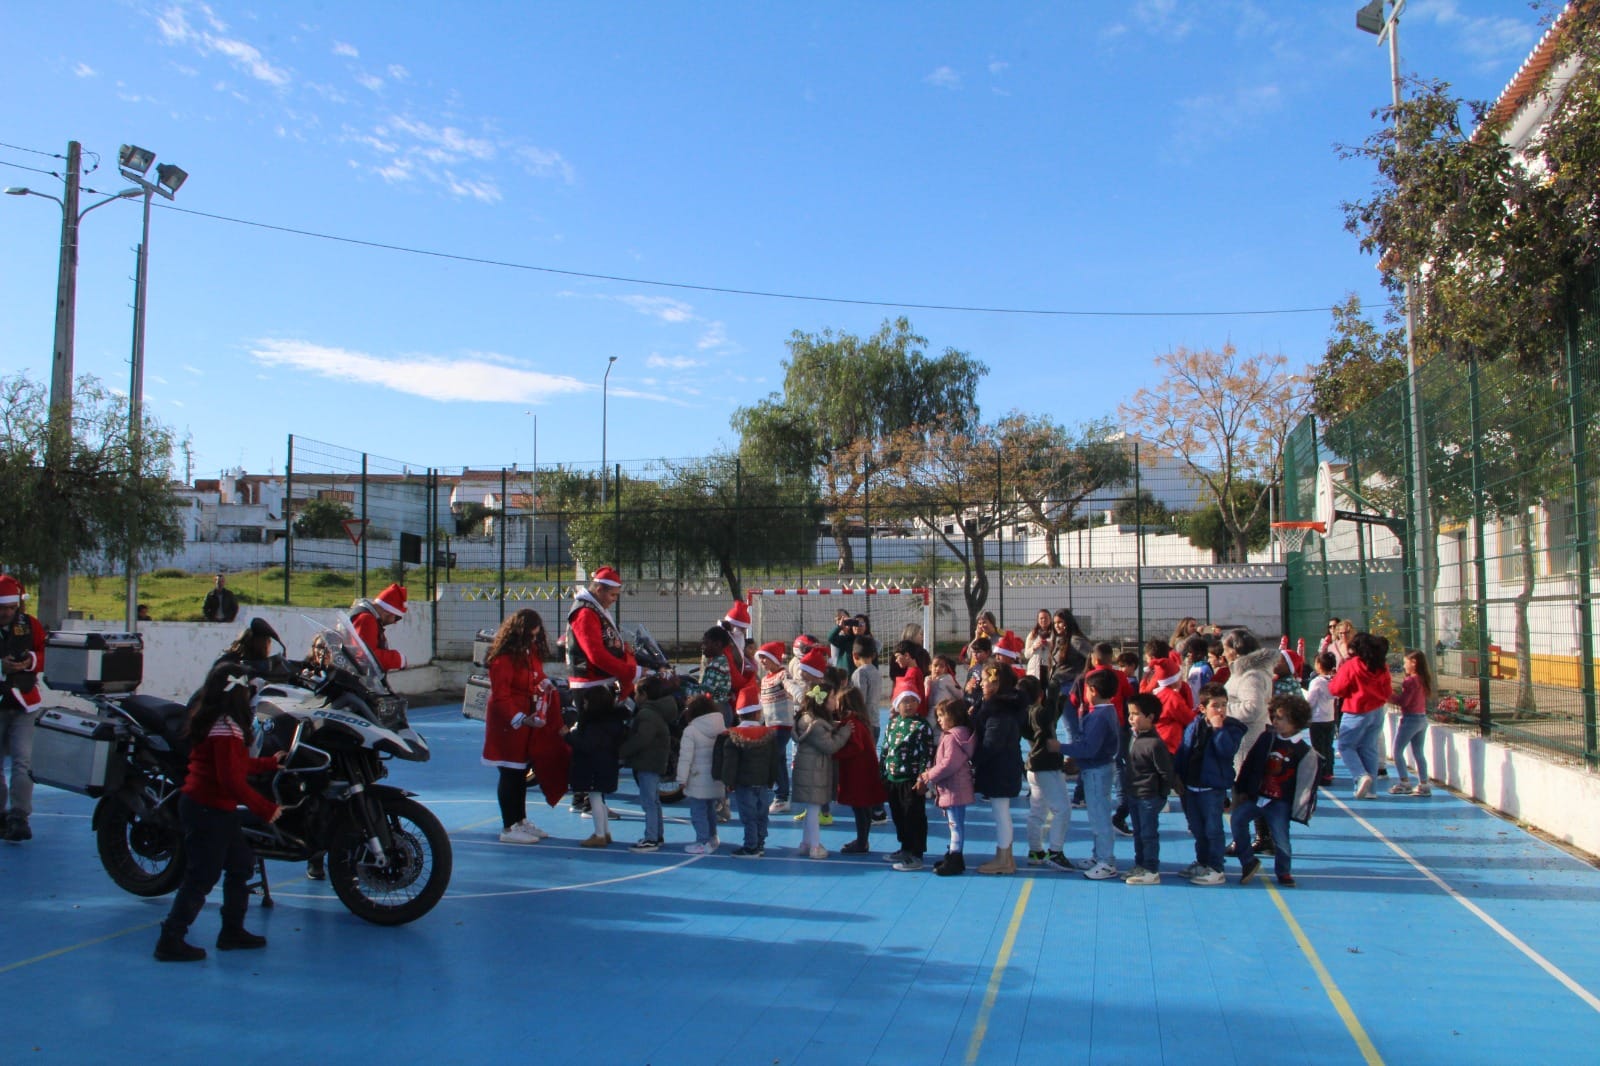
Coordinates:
[842,637]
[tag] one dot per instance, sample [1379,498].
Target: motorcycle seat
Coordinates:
[155,715]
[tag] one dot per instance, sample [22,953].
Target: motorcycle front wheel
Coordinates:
[412,877]
[143,856]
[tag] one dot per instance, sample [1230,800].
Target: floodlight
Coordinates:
[170,177]
[1370,18]
[131,157]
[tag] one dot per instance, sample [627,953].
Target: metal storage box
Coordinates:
[77,751]
[480,647]
[475,700]
[88,663]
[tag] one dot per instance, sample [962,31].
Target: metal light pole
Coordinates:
[53,585]
[605,383]
[1370,18]
[134,162]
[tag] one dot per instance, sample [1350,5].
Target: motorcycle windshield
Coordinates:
[350,653]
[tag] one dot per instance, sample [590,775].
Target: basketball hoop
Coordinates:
[1292,535]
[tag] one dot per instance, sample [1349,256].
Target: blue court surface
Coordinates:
[1424,930]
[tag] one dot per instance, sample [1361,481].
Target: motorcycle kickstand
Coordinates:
[261,883]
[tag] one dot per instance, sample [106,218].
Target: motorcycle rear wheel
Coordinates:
[143,856]
[413,879]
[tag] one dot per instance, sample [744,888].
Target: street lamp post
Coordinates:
[1370,18]
[605,383]
[134,163]
[53,584]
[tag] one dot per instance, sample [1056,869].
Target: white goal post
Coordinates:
[783,614]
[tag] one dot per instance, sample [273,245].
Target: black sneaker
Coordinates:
[1249,871]
[748,853]
[1286,880]
[240,939]
[880,816]
[1057,861]
[1119,822]
[1232,850]
[17,830]
[315,869]
[855,847]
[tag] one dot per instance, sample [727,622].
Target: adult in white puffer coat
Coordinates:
[1249,685]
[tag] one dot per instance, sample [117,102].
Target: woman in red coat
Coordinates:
[860,783]
[523,725]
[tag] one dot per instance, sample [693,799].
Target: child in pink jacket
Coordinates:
[951,779]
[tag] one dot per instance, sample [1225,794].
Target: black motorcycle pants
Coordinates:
[214,848]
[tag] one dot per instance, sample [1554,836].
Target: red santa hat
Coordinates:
[773,650]
[814,662]
[906,689]
[738,615]
[393,600]
[805,642]
[1009,645]
[1165,672]
[10,590]
[608,576]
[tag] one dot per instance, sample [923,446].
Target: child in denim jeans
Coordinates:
[646,750]
[703,791]
[1204,764]
[1278,784]
[1150,778]
[1096,754]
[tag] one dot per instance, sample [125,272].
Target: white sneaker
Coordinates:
[711,848]
[1192,869]
[520,833]
[535,830]
[701,849]
[1142,876]
[1364,787]
[779,807]
[1424,789]
[819,852]
[1100,871]
[1208,876]
[1083,864]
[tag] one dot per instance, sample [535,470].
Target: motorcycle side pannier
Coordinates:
[88,663]
[475,700]
[77,751]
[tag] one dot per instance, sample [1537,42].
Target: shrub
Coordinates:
[169,572]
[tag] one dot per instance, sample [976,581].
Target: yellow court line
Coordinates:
[74,947]
[982,1028]
[1340,1004]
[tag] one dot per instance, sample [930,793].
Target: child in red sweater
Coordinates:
[213,791]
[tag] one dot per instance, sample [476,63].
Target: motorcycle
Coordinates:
[388,857]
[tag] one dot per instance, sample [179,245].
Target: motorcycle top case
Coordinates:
[88,663]
[77,751]
[480,647]
[475,700]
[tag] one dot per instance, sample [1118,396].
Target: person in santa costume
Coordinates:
[22,641]
[522,726]
[741,671]
[371,617]
[596,653]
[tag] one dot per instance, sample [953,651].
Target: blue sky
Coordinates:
[1144,157]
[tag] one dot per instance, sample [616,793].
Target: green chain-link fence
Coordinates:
[1510,458]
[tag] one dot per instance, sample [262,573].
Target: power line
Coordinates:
[35,151]
[35,170]
[691,287]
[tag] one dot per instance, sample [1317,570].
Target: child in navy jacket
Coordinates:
[1277,782]
[1096,752]
[1204,764]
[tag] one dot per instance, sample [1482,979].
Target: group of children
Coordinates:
[1138,728]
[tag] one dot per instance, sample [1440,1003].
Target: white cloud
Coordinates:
[370,82]
[998,66]
[176,29]
[1163,18]
[477,377]
[83,70]
[196,371]
[484,191]
[543,163]
[441,144]
[398,73]
[944,78]
[671,362]
[342,49]
[715,336]
[663,307]
[1216,117]
[1490,39]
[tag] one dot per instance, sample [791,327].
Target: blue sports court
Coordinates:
[1422,930]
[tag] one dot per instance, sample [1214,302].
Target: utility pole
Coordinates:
[58,450]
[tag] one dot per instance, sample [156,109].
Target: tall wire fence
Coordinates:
[1126,537]
[1510,476]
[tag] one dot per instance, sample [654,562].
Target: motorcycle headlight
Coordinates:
[389,711]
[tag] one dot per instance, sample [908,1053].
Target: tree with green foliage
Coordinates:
[722,514]
[1206,529]
[1361,360]
[842,396]
[1143,510]
[94,506]
[322,519]
[1051,470]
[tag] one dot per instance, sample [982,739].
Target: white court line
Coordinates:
[533,891]
[1511,938]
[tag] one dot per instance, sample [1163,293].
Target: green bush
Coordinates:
[169,572]
[273,573]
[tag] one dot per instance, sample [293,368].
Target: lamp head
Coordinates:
[1370,17]
[132,157]
[170,178]
[17,190]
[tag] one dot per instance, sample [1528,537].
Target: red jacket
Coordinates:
[218,766]
[597,663]
[1176,713]
[516,686]
[860,783]
[1363,689]
[1119,701]
[370,631]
